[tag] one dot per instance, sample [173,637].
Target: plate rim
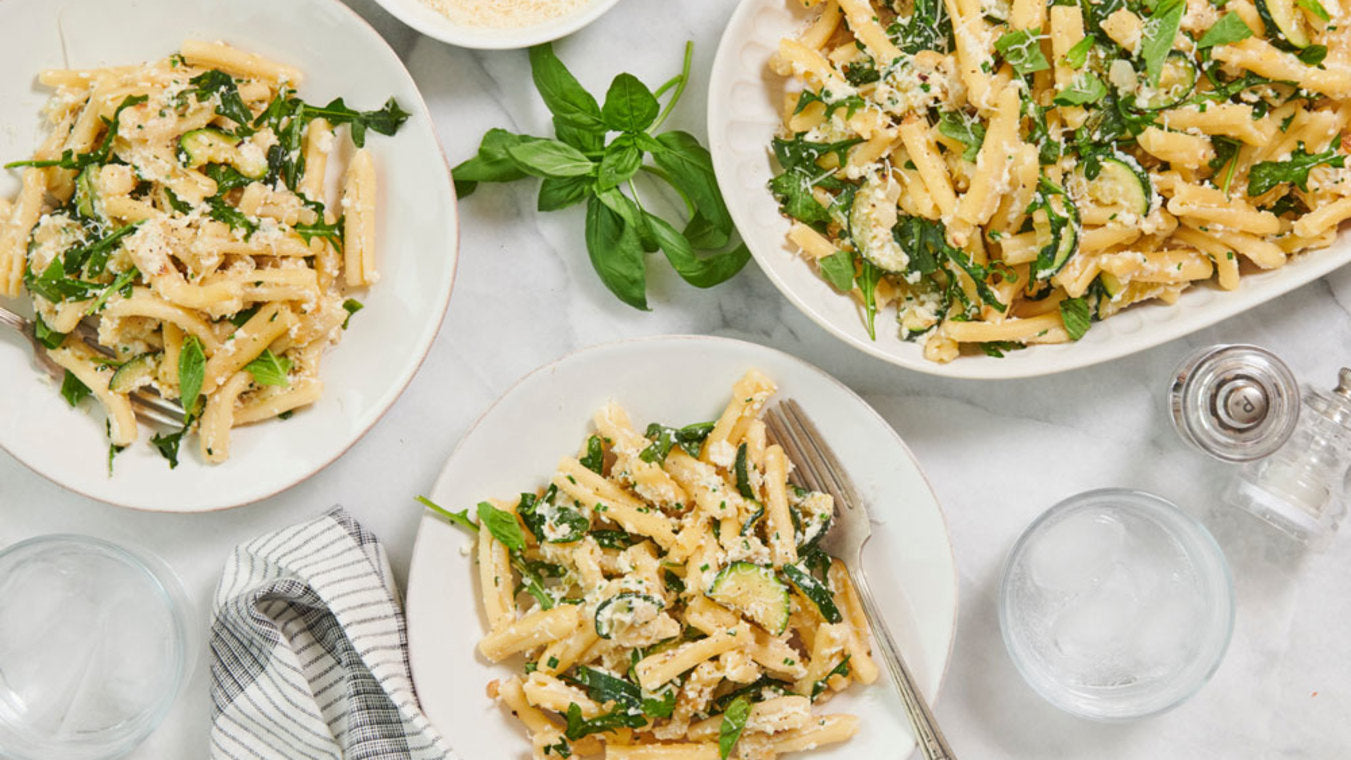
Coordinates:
[421,536]
[396,391]
[966,367]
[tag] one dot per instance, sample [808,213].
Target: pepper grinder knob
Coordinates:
[1237,403]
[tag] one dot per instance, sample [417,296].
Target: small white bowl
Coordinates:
[431,22]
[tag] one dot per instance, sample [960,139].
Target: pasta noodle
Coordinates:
[1006,173]
[631,652]
[180,207]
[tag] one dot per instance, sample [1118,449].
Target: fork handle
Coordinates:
[928,735]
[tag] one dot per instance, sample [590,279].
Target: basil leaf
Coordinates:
[1316,8]
[1157,40]
[1077,56]
[1022,51]
[560,192]
[699,271]
[46,335]
[629,105]
[73,390]
[502,525]
[689,168]
[619,163]
[1075,314]
[191,374]
[1084,89]
[269,369]
[460,518]
[490,164]
[733,723]
[351,306]
[968,131]
[1229,29]
[1313,55]
[549,158]
[616,253]
[571,105]
[621,718]
[820,686]
[838,270]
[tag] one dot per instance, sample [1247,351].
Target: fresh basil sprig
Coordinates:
[597,152]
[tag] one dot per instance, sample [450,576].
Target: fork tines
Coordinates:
[815,463]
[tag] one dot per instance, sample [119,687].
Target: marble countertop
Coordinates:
[997,454]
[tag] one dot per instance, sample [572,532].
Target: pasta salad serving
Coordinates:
[668,596]
[182,209]
[1006,172]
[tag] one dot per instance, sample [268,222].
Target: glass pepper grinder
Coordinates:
[1238,403]
[1301,488]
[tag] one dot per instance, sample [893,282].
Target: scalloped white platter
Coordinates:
[517,443]
[416,241]
[743,116]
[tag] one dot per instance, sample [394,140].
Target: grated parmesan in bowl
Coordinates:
[497,24]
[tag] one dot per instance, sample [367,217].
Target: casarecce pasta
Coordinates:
[182,206]
[668,596]
[1006,172]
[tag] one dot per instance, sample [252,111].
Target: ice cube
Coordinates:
[1073,554]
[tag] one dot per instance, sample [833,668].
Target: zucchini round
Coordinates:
[754,592]
[815,591]
[1176,82]
[86,193]
[1121,183]
[625,609]
[1285,23]
[134,373]
[1060,231]
[212,146]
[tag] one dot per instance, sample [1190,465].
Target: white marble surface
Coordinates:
[997,453]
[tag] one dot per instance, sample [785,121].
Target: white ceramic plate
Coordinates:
[417,239]
[431,22]
[676,380]
[743,114]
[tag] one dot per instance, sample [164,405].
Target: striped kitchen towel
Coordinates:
[309,651]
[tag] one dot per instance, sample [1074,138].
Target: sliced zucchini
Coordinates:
[812,514]
[1121,183]
[86,192]
[1286,25]
[136,372]
[624,610]
[1110,284]
[1057,227]
[212,146]
[871,218]
[815,591]
[1176,82]
[755,593]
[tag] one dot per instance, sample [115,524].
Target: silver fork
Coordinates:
[817,468]
[148,407]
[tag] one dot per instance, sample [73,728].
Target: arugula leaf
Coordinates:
[93,258]
[629,105]
[1077,56]
[838,270]
[869,276]
[502,525]
[45,334]
[100,155]
[120,284]
[1228,30]
[333,233]
[460,519]
[690,438]
[1022,51]
[616,253]
[621,718]
[1074,312]
[968,131]
[613,539]
[224,212]
[733,723]
[53,284]
[568,524]
[73,390]
[1084,89]
[929,28]
[269,369]
[227,178]
[860,72]
[229,104]
[819,687]
[168,444]
[351,306]
[603,687]
[996,348]
[385,121]
[1157,40]
[1268,174]
[191,374]
[595,455]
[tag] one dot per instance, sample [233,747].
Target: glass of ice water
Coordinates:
[92,648]
[1115,605]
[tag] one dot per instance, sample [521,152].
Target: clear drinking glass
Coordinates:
[1115,604]
[92,648]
